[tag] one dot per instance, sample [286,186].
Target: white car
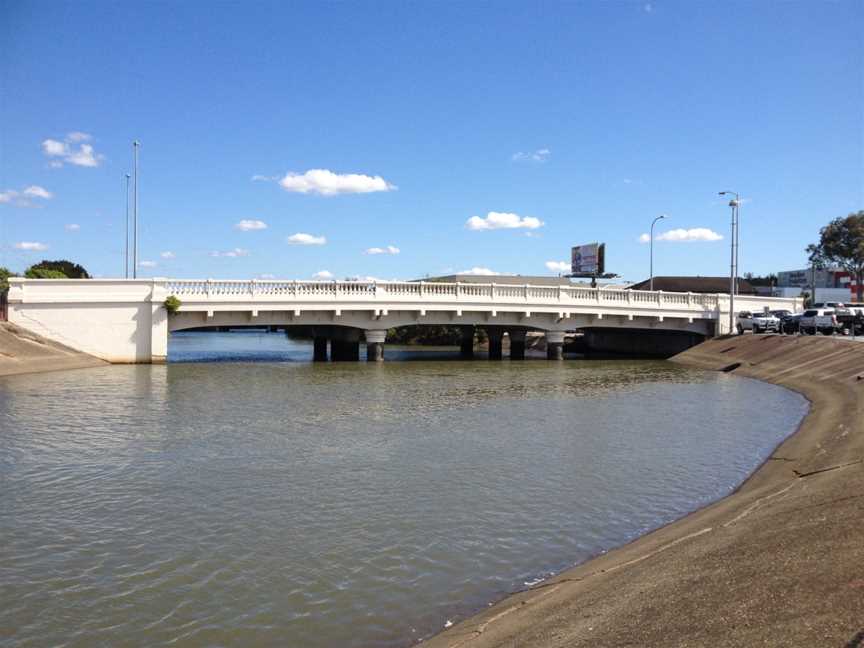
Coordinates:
[822,320]
[757,322]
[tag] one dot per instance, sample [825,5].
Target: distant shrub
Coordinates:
[172,304]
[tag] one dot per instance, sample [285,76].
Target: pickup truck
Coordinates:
[822,320]
[757,322]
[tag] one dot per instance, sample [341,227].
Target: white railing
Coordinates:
[278,290]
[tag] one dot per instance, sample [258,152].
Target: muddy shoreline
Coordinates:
[778,562]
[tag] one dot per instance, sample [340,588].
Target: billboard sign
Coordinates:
[588,259]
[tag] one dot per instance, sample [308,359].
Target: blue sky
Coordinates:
[569,122]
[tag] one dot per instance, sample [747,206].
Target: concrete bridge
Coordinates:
[122,320]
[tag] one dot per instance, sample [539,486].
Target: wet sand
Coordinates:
[24,352]
[780,562]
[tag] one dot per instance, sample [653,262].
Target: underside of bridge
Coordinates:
[649,343]
[343,343]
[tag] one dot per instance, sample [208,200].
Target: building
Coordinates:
[711,285]
[829,284]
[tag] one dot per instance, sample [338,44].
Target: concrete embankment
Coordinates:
[778,563]
[24,352]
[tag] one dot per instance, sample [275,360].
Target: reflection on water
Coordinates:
[292,504]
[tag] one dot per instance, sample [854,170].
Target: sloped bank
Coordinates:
[24,352]
[778,563]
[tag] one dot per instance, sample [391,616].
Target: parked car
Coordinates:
[791,323]
[757,322]
[822,320]
[850,318]
[788,320]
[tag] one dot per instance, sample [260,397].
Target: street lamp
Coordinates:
[651,272]
[733,264]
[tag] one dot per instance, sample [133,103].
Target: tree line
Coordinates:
[45,269]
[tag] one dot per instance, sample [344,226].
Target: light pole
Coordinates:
[127,224]
[135,146]
[733,264]
[651,272]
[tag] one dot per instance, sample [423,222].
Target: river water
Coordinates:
[281,503]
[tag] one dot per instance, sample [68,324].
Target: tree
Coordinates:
[43,273]
[841,243]
[67,268]
[5,273]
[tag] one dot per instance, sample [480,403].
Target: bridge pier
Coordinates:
[554,345]
[319,353]
[375,345]
[466,348]
[344,344]
[496,337]
[517,344]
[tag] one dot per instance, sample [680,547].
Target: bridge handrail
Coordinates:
[432,290]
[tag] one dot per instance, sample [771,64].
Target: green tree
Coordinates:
[5,273]
[67,268]
[43,273]
[841,243]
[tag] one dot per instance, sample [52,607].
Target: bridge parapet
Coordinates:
[414,291]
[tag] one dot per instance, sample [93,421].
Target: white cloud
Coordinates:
[558,266]
[306,239]
[502,220]
[147,264]
[684,235]
[247,225]
[266,275]
[72,227]
[167,255]
[31,246]
[327,183]
[390,249]
[263,178]
[236,252]
[323,274]
[540,155]
[22,198]
[38,192]
[54,148]
[479,271]
[84,155]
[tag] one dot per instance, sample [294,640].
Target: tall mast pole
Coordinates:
[135,146]
[127,225]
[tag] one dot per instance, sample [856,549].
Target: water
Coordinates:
[291,504]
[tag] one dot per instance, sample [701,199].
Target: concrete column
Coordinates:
[375,345]
[517,344]
[320,349]
[495,335]
[344,344]
[554,345]
[466,348]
